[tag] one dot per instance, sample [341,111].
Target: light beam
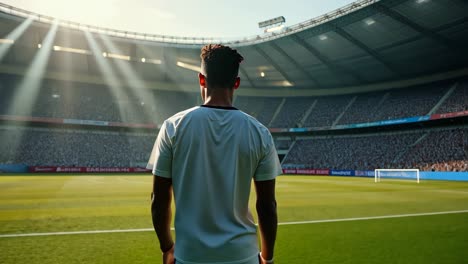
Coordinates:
[126,112]
[27,91]
[14,36]
[132,79]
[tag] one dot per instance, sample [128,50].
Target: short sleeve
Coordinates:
[161,156]
[269,166]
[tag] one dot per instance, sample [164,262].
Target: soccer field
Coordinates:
[323,220]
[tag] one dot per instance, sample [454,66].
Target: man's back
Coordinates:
[215,154]
[207,157]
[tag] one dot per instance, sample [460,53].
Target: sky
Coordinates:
[183,18]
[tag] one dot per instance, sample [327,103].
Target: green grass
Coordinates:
[31,204]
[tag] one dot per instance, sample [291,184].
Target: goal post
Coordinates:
[410,174]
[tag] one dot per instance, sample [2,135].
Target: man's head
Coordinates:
[220,67]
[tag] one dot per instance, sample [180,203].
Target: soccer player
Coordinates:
[207,157]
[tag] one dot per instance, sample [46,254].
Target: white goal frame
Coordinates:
[377,173]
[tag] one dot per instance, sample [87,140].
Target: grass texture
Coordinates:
[62,203]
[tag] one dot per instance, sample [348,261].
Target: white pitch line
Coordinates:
[281,224]
[370,218]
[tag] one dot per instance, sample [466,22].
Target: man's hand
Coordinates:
[261,260]
[168,256]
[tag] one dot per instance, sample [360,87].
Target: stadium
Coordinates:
[374,85]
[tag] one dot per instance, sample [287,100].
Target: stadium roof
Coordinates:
[366,43]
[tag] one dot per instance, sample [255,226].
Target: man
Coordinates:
[207,156]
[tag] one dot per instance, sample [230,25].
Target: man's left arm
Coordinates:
[161,213]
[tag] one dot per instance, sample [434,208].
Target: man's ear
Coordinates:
[202,80]
[237,83]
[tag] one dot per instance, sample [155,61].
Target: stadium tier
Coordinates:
[364,78]
[73,100]
[435,149]
[58,147]
[441,150]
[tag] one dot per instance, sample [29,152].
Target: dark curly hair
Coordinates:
[221,65]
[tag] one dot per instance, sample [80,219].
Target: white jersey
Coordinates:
[212,154]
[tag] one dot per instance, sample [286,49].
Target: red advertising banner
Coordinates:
[289,171]
[449,115]
[307,171]
[52,169]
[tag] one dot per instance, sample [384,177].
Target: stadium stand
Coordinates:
[283,144]
[416,101]
[292,112]
[386,45]
[360,111]
[458,100]
[58,147]
[442,150]
[262,108]
[61,99]
[445,150]
[327,110]
[350,152]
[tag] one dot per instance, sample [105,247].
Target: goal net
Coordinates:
[409,174]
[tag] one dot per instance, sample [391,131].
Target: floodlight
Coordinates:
[272,22]
[39,45]
[72,50]
[118,56]
[262,74]
[155,61]
[104,54]
[422,1]
[143,59]
[369,21]
[287,83]
[56,96]
[189,66]
[273,29]
[7,41]
[323,37]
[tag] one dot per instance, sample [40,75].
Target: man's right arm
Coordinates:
[267,217]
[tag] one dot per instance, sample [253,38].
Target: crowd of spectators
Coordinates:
[74,100]
[326,110]
[47,147]
[282,144]
[361,111]
[458,100]
[416,101]
[350,152]
[262,108]
[292,112]
[440,150]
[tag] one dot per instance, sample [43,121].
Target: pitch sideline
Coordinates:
[281,224]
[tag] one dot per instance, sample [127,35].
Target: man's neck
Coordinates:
[219,98]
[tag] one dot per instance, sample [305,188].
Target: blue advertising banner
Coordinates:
[342,172]
[413,119]
[445,176]
[362,173]
[16,168]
